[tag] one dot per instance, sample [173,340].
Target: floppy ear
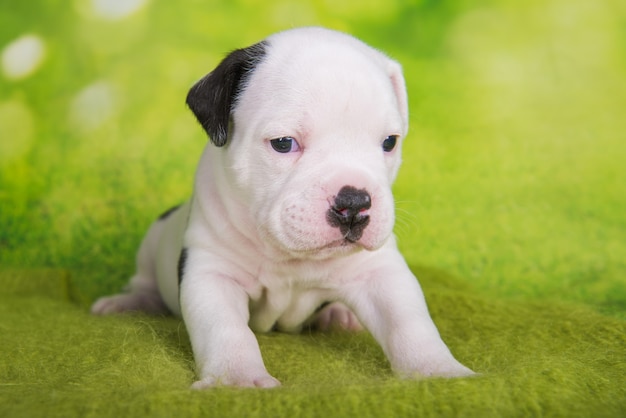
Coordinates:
[213,98]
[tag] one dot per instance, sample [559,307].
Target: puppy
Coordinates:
[290,223]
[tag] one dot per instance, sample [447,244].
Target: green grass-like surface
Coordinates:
[510,207]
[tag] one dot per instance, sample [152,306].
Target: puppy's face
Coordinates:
[314,145]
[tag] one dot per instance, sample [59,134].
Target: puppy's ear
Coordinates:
[213,98]
[397,81]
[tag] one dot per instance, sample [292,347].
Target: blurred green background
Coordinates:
[514,173]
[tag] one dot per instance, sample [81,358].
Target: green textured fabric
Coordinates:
[535,360]
[510,205]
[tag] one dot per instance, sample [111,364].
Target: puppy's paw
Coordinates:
[336,316]
[137,302]
[448,368]
[452,370]
[111,305]
[260,381]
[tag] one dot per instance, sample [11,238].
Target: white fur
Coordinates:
[260,253]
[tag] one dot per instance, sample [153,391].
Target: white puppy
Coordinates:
[291,219]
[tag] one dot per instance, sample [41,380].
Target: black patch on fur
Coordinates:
[168,212]
[182,260]
[213,98]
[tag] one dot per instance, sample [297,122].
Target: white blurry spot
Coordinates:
[16,130]
[92,106]
[116,9]
[22,57]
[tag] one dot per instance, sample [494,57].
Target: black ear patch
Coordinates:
[213,98]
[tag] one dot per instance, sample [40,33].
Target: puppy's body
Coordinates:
[292,209]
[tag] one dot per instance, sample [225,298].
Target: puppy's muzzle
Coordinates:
[350,212]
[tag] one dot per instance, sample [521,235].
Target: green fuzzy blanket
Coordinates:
[510,206]
[534,359]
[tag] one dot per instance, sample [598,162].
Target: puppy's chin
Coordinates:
[340,248]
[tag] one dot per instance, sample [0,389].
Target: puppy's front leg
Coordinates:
[391,305]
[215,310]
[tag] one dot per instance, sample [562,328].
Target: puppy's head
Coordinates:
[310,124]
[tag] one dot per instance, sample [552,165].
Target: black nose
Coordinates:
[349,212]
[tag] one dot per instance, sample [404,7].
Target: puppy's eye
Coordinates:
[285,144]
[390,143]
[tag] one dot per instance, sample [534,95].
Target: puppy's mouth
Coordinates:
[344,243]
[333,249]
[339,247]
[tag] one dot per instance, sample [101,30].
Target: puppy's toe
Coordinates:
[143,302]
[205,383]
[448,369]
[262,381]
[108,305]
[447,366]
[457,370]
[266,382]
